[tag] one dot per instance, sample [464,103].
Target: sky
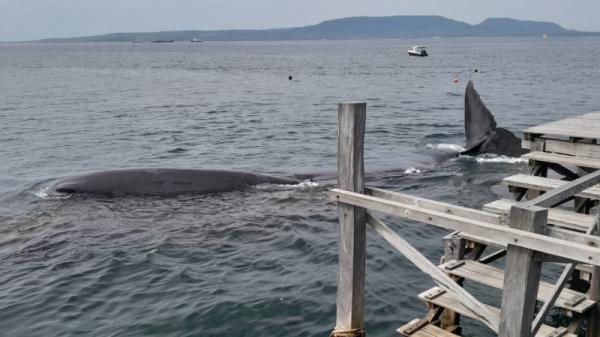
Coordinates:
[35,19]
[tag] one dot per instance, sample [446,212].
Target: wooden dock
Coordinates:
[549,220]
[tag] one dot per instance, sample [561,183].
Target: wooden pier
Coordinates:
[549,220]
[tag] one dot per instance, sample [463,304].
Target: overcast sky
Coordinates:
[35,19]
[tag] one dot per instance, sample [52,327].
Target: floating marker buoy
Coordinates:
[476,70]
[455,80]
[290,77]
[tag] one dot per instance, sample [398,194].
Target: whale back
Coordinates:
[162,182]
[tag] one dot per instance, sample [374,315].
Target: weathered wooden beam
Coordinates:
[574,246]
[567,147]
[565,191]
[523,181]
[493,256]
[352,219]
[522,275]
[435,205]
[413,255]
[593,325]
[558,168]
[558,287]
[563,159]
[582,205]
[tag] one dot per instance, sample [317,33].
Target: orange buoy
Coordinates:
[455,80]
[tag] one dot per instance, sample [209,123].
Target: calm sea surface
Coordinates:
[262,261]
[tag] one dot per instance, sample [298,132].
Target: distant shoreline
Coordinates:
[411,40]
[353,28]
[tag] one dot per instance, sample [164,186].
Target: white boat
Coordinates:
[417,51]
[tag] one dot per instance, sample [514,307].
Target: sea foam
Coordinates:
[446,147]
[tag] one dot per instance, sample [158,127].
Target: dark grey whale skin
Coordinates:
[482,134]
[162,182]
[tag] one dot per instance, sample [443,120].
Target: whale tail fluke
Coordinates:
[481,132]
[479,121]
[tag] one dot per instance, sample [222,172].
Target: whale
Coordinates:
[162,182]
[483,136]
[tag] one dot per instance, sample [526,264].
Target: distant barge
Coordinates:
[163,41]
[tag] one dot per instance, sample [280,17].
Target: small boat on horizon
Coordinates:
[195,40]
[418,51]
[163,41]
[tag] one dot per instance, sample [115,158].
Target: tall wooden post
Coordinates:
[522,278]
[351,245]
[454,249]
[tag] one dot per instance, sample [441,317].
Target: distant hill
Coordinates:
[402,26]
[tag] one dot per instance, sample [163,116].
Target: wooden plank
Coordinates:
[551,231]
[557,217]
[562,159]
[494,277]
[547,184]
[493,256]
[428,330]
[567,147]
[573,246]
[352,219]
[566,191]
[522,275]
[447,300]
[435,205]
[476,308]
[585,126]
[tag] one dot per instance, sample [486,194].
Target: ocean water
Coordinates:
[260,261]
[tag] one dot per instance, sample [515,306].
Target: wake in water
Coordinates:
[412,170]
[446,147]
[47,194]
[482,158]
[306,184]
[487,158]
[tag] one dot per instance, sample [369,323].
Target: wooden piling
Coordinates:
[454,249]
[523,272]
[352,220]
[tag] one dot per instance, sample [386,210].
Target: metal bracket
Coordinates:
[575,300]
[411,329]
[349,333]
[453,264]
[432,294]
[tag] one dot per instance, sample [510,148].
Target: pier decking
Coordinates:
[548,221]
